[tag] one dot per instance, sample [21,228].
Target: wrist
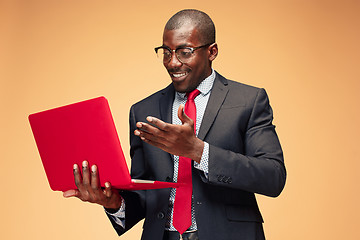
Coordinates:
[198,150]
[112,210]
[114,205]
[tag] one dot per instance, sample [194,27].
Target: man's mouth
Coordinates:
[178,75]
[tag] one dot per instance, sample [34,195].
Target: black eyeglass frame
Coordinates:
[192,49]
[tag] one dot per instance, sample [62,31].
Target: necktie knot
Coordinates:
[192,95]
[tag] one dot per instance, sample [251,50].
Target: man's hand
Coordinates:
[89,189]
[175,139]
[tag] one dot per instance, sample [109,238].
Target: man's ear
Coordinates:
[213,49]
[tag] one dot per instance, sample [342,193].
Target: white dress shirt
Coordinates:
[201,102]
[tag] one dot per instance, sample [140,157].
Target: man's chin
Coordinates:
[179,88]
[182,88]
[179,84]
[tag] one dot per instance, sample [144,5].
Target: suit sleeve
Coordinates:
[259,168]
[134,200]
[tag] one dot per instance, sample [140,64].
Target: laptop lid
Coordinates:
[83,131]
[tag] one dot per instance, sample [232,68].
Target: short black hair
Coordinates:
[200,20]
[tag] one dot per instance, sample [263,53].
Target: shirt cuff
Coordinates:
[204,162]
[119,216]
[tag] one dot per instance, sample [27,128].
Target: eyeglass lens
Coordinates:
[184,55]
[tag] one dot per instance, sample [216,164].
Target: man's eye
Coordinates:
[167,54]
[185,53]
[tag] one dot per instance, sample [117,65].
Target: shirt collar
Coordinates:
[205,86]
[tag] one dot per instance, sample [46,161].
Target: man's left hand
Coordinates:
[178,140]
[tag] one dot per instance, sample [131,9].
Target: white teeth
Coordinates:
[177,75]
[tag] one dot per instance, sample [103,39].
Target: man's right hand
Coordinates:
[89,189]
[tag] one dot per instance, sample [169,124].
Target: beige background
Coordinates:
[305,53]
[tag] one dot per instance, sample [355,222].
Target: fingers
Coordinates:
[157,122]
[90,183]
[85,173]
[156,131]
[77,176]
[88,179]
[155,125]
[147,128]
[183,117]
[168,137]
[87,184]
[94,178]
[71,193]
[107,190]
[89,189]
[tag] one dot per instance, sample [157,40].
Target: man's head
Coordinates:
[196,18]
[191,29]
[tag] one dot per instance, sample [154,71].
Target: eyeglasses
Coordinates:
[183,54]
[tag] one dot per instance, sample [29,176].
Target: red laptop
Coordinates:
[83,131]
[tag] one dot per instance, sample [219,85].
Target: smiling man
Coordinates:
[188,69]
[213,135]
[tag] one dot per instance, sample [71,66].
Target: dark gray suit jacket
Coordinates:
[245,157]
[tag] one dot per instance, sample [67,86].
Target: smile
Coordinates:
[178,75]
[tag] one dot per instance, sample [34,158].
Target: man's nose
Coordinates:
[174,61]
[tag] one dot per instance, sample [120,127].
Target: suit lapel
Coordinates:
[166,102]
[165,105]
[216,99]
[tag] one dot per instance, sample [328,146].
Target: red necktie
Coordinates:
[182,203]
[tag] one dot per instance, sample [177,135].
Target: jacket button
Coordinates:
[161,215]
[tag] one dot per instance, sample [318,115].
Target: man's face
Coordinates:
[186,76]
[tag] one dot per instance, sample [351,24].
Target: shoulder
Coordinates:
[238,92]
[154,98]
[236,85]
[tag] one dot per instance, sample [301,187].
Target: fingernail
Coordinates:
[84,164]
[93,168]
[107,184]
[136,132]
[75,167]
[149,119]
[139,125]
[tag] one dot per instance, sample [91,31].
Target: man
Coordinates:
[226,130]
